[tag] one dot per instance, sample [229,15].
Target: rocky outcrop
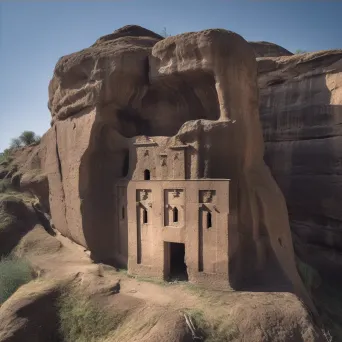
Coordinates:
[31,312]
[69,285]
[199,86]
[23,169]
[266,49]
[301,114]
[16,219]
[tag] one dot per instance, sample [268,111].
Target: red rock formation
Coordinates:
[133,83]
[301,113]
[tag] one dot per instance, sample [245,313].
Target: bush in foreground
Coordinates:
[13,274]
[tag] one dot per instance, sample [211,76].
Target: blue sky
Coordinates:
[33,35]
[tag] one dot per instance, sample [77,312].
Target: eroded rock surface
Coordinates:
[267,49]
[301,114]
[24,170]
[200,87]
[145,311]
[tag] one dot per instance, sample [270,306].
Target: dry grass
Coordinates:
[327,297]
[135,325]
[7,219]
[217,330]
[82,320]
[10,193]
[13,274]
[5,185]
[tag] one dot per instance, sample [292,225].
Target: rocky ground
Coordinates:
[144,310]
[74,299]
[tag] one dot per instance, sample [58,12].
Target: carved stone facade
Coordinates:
[178,228]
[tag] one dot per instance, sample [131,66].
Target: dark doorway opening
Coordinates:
[178,270]
[147,175]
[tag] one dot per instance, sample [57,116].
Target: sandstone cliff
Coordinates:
[133,83]
[301,113]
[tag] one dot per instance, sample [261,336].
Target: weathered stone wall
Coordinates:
[133,83]
[301,113]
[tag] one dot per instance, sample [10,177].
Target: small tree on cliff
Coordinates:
[28,138]
[25,139]
[15,143]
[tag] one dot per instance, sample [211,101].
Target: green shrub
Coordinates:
[5,156]
[15,143]
[28,137]
[81,320]
[5,184]
[13,274]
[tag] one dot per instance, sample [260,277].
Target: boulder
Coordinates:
[301,114]
[16,219]
[32,312]
[25,172]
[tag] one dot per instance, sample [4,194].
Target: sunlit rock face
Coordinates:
[199,87]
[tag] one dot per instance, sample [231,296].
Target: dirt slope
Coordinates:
[152,312]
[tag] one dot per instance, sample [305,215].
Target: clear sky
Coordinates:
[33,35]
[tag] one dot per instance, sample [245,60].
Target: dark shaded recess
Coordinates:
[145,216]
[125,167]
[169,102]
[58,158]
[131,123]
[45,222]
[172,100]
[309,171]
[275,82]
[175,214]
[20,220]
[102,165]
[178,270]
[209,221]
[40,319]
[147,175]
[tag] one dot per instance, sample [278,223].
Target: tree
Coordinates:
[15,143]
[164,33]
[28,138]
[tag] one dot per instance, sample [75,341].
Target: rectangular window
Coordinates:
[145,217]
